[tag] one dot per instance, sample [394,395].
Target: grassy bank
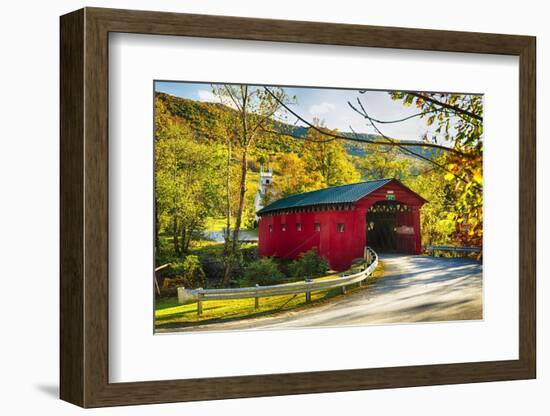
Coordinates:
[169,314]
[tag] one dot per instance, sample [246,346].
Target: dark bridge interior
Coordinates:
[383,220]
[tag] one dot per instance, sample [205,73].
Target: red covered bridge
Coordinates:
[341,220]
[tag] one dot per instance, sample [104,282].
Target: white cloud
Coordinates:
[206,95]
[323,108]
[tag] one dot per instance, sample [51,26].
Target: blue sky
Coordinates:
[329,105]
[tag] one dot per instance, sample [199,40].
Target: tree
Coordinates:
[437,228]
[387,163]
[253,109]
[292,177]
[328,158]
[187,178]
[458,118]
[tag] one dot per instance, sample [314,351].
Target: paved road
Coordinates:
[412,289]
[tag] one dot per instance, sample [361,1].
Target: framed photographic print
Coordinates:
[256,207]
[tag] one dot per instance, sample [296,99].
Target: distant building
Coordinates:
[341,220]
[266,181]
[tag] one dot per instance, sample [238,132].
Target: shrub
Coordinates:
[249,253]
[188,273]
[310,264]
[192,271]
[214,269]
[263,272]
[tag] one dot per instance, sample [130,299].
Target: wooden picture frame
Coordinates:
[84,207]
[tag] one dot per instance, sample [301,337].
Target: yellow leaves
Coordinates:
[452,171]
[478,178]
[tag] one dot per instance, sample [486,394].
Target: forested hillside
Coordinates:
[202,116]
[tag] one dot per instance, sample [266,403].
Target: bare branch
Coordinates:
[364,113]
[232,97]
[379,151]
[406,118]
[368,141]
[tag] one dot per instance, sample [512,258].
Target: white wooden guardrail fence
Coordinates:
[200,295]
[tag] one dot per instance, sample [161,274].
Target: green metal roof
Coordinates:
[333,195]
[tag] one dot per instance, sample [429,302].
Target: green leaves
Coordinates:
[310,264]
[188,173]
[329,159]
[457,118]
[263,272]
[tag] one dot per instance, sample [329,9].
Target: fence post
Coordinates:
[308,293]
[343,287]
[199,303]
[257,299]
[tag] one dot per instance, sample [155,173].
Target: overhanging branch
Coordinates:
[453,108]
[364,114]
[361,140]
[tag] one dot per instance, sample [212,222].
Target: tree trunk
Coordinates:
[227,235]
[228,196]
[175,236]
[238,220]
[242,193]
[245,142]
[157,230]
[186,241]
[186,235]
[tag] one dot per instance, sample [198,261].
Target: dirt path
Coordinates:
[413,289]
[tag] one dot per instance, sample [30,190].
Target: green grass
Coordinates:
[212,248]
[217,223]
[252,184]
[200,247]
[220,223]
[206,248]
[170,314]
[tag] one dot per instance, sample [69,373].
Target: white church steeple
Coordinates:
[266,180]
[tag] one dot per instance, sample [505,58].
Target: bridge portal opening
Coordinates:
[390,227]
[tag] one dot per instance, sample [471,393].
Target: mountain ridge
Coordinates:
[201,116]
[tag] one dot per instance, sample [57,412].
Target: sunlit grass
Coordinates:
[169,313]
[218,223]
[213,248]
